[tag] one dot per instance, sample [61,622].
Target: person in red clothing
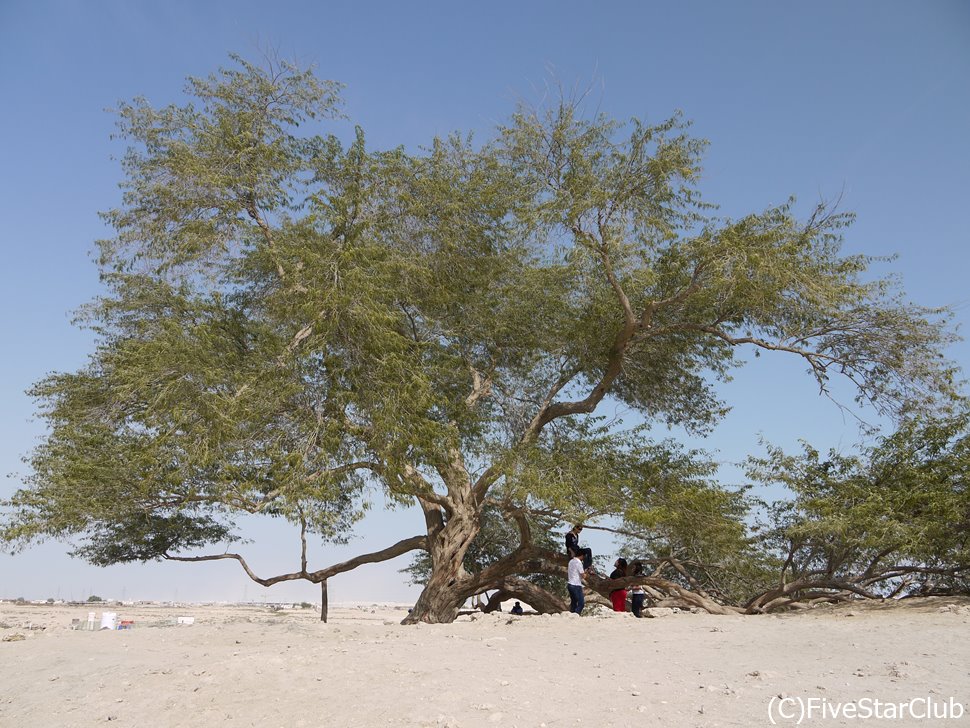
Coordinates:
[618,596]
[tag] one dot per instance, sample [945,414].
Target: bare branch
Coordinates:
[401,547]
[315,577]
[302,542]
[242,562]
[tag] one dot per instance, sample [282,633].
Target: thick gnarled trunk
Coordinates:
[447,587]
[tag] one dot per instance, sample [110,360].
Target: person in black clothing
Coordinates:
[573,548]
[638,595]
[517,609]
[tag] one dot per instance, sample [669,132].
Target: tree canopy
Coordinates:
[290,319]
[892,519]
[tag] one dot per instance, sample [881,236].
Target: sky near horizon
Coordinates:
[869,101]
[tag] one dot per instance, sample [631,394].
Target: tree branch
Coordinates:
[817,360]
[646,319]
[602,249]
[242,562]
[481,387]
[302,543]
[401,547]
[315,577]
[253,211]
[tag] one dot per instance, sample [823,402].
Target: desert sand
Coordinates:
[251,666]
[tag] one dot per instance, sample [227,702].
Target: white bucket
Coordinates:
[108,620]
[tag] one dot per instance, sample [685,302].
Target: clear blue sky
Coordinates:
[870,100]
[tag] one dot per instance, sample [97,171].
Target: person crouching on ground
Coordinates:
[574,583]
[618,596]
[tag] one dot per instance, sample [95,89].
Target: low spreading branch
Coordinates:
[315,577]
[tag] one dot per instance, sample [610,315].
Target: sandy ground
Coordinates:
[249,666]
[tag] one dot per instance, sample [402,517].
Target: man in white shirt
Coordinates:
[575,574]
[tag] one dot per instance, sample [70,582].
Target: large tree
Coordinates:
[289,319]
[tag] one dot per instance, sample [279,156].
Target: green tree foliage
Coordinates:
[190,410]
[893,519]
[289,318]
[696,534]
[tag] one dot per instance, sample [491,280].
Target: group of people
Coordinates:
[581,564]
